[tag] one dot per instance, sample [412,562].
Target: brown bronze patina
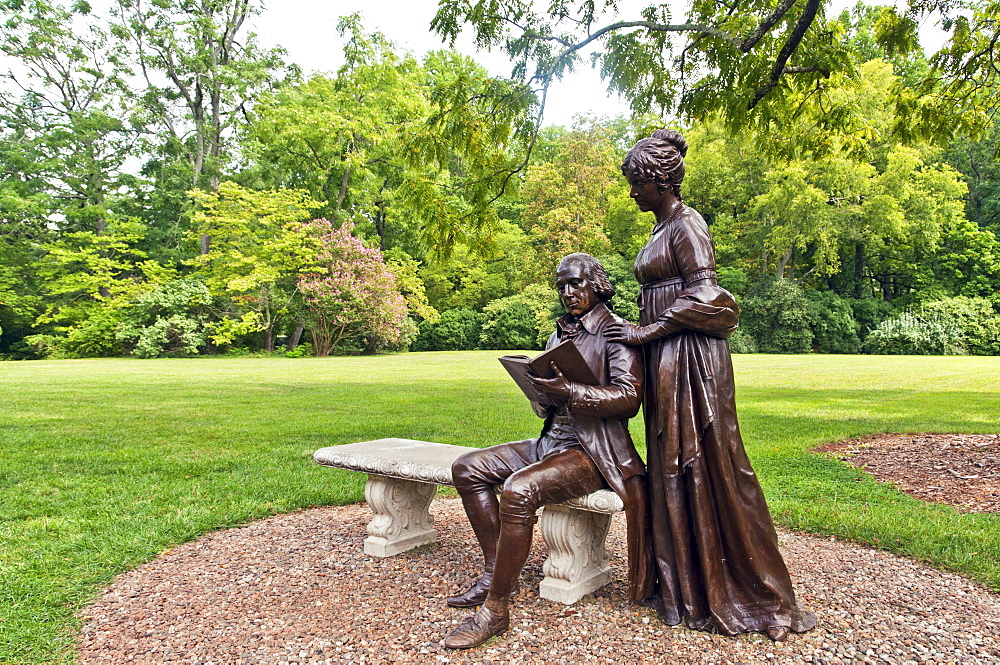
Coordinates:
[716,551]
[584,446]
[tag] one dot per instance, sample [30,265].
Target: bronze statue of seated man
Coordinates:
[584,446]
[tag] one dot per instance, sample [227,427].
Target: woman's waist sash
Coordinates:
[669,281]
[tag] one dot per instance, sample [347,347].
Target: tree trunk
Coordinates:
[886,284]
[342,194]
[783,263]
[293,341]
[320,345]
[859,268]
[380,225]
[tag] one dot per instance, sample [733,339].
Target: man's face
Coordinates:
[575,290]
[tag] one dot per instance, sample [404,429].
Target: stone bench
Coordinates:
[403,476]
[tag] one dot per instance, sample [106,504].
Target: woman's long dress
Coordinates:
[717,557]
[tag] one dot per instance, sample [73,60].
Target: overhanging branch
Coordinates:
[766,25]
[652,26]
[801,26]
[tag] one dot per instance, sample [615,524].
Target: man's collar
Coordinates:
[592,320]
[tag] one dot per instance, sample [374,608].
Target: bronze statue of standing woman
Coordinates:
[716,551]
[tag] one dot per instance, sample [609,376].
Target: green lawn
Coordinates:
[106,463]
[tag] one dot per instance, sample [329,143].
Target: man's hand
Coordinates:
[557,386]
[629,333]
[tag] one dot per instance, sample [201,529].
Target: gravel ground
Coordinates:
[297,589]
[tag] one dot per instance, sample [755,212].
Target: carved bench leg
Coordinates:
[578,561]
[402,520]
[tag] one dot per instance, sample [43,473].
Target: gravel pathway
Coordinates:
[297,589]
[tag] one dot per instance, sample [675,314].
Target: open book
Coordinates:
[567,358]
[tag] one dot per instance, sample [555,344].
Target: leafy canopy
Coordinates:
[757,64]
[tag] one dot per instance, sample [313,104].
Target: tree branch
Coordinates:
[806,70]
[649,25]
[801,26]
[766,25]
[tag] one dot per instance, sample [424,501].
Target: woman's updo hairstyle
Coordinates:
[659,160]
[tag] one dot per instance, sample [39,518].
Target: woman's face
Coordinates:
[647,195]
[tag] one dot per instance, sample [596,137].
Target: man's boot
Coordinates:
[483,511]
[493,617]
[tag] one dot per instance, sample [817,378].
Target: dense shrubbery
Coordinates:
[169,321]
[780,317]
[954,326]
[977,320]
[509,324]
[776,317]
[832,323]
[916,333]
[456,330]
[522,321]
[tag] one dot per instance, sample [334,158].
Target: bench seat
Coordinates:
[403,475]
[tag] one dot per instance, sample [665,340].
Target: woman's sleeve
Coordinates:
[702,305]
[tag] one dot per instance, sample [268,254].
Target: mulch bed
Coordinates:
[298,589]
[961,470]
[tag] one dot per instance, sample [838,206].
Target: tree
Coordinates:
[566,200]
[810,218]
[469,280]
[258,252]
[350,294]
[407,273]
[757,64]
[340,138]
[23,232]
[413,153]
[67,126]
[752,62]
[88,278]
[201,76]
[978,162]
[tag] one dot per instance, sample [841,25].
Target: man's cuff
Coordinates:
[580,399]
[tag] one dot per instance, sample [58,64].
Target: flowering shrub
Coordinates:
[350,294]
[920,333]
[952,326]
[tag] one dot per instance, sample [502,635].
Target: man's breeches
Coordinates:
[528,483]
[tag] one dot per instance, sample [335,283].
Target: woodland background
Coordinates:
[168,187]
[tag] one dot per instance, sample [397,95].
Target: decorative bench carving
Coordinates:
[402,478]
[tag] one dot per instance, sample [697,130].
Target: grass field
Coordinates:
[106,463]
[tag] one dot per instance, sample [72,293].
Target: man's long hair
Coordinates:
[595,273]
